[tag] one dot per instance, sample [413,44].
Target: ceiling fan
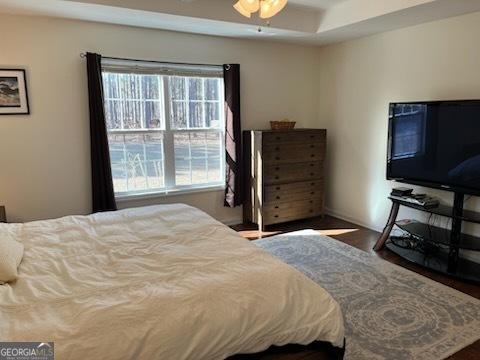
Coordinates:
[267,8]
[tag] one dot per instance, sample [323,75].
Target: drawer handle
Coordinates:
[278,197]
[312,136]
[277,158]
[312,146]
[312,184]
[312,165]
[312,174]
[311,210]
[311,201]
[277,168]
[276,216]
[313,155]
[277,148]
[277,188]
[276,207]
[277,177]
[312,193]
[277,138]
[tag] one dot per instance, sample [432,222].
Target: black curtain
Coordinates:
[233,136]
[103,196]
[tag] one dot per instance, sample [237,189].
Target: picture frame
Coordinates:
[13,92]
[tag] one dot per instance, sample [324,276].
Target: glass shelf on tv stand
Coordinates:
[433,258]
[442,210]
[437,235]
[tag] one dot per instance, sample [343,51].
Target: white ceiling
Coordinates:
[322,22]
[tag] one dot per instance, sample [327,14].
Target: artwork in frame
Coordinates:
[13,92]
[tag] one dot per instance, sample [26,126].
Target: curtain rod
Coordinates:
[83,55]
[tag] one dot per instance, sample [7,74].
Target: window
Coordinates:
[165,127]
[409,130]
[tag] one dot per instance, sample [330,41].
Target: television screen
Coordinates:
[436,144]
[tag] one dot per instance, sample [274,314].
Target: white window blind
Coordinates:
[166,126]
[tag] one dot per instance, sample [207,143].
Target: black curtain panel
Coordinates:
[233,136]
[103,195]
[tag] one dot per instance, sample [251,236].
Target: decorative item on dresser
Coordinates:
[284,175]
[3,215]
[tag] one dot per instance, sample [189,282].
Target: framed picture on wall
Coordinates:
[13,92]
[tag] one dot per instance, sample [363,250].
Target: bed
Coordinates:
[158,282]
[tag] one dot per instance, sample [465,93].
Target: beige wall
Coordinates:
[439,60]
[44,166]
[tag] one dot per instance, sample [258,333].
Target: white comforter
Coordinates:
[161,282]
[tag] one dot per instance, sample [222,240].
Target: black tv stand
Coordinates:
[433,247]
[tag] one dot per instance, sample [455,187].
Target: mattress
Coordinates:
[159,282]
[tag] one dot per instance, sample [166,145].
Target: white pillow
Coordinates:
[11,253]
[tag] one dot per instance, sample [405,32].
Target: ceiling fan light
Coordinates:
[238,6]
[250,5]
[269,8]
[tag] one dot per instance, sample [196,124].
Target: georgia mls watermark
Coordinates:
[27,351]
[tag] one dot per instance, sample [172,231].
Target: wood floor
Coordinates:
[363,239]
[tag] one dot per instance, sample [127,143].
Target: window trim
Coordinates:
[162,194]
[170,189]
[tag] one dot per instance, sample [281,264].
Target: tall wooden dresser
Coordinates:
[284,175]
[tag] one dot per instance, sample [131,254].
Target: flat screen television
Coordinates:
[435,144]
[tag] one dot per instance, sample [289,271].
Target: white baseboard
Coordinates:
[352,219]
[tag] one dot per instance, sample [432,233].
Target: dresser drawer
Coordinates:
[301,205]
[293,137]
[293,153]
[293,191]
[285,173]
[294,211]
